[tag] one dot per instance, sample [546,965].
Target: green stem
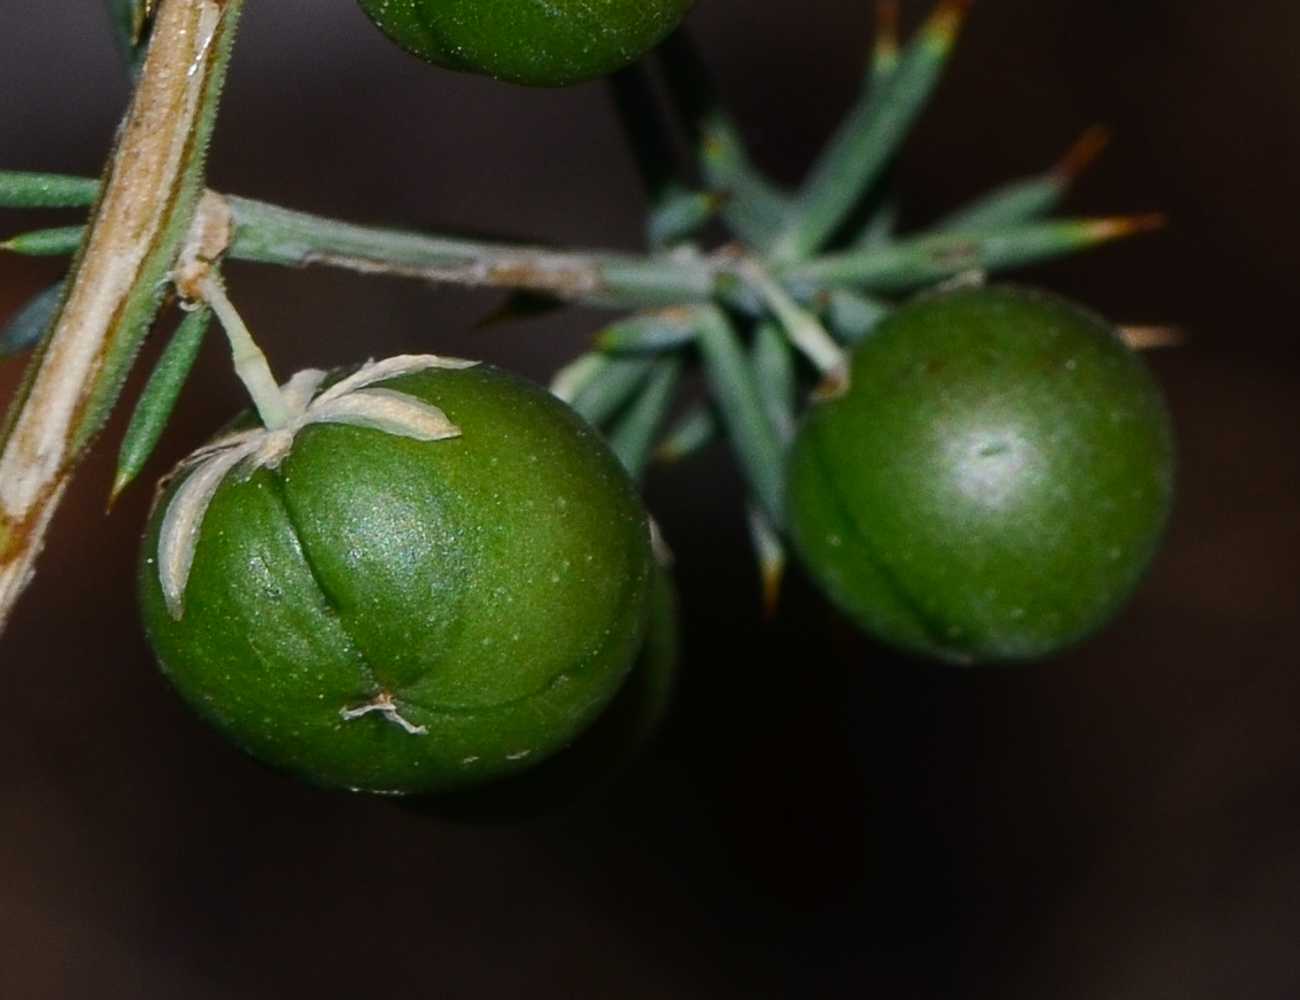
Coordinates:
[269,234]
[250,363]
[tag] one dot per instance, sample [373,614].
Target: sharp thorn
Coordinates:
[1081,155]
[1100,230]
[886,28]
[946,20]
[1146,338]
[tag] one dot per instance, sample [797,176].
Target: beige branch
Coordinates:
[58,410]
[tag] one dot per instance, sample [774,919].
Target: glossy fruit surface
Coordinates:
[545,43]
[994,482]
[600,755]
[372,611]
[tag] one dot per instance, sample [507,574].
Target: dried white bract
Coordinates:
[383,704]
[354,400]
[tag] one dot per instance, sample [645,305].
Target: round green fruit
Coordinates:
[600,755]
[547,43]
[434,576]
[994,481]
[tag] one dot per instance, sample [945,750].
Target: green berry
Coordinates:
[600,755]
[546,43]
[994,481]
[436,575]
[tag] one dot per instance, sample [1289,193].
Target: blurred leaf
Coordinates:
[869,137]
[880,226]
[131,23]
[770,552]
[920,261]
[1029,198]
[28,325]
[682,216]
[694,430]
[648,332]
[852,316]
[598,385]
[634,433]
[573,377]
[755,208]
[884,54]
[756,442]
[802,328]
[772,356]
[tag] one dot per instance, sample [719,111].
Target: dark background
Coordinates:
[816,819]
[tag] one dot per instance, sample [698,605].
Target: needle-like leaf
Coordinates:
[755,208]
[869,138]
[158,399]
[635,432]
[649,332]
[731,379]
[19,189]
[694,430]
[1029,198]
[56,242]
[26,327]
[920,261]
